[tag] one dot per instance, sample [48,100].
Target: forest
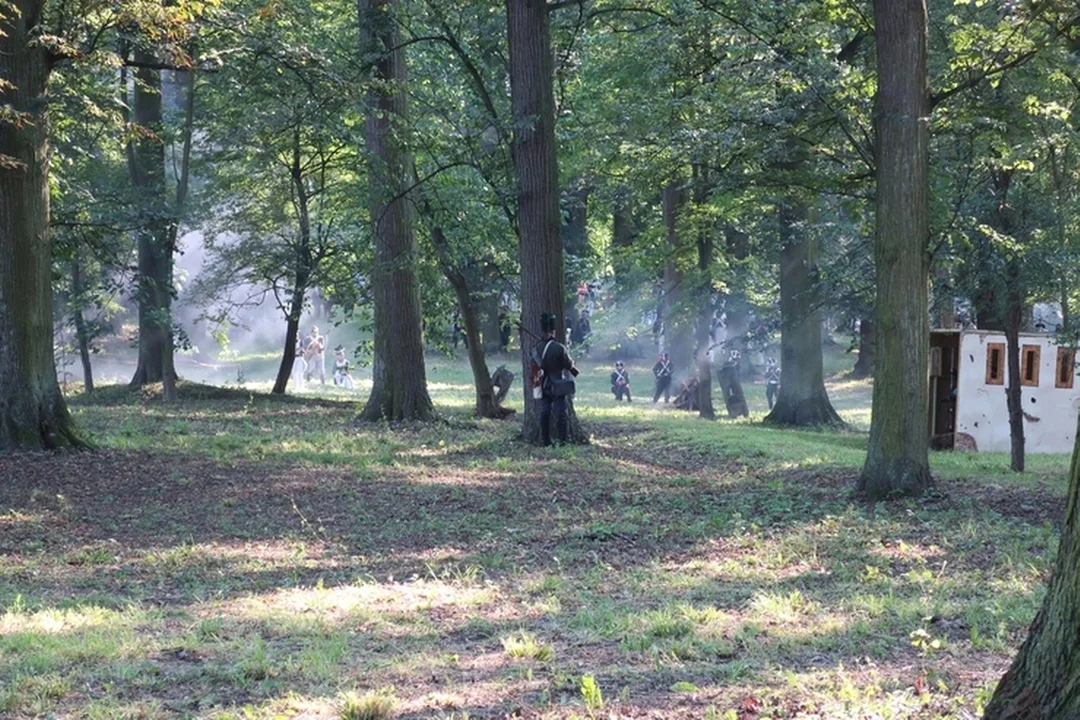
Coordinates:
[539,359]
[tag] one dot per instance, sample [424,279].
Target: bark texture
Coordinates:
[897,460]
[803,400]
[1044,680]
[399,389]
[533,149]
[33,414]
[146,165]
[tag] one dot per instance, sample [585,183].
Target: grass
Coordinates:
[237,556]
[372,705]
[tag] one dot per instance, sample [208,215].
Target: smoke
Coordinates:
[244,315]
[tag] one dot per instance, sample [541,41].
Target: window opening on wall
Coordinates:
[1029,365]
[995,365]
[1066,368]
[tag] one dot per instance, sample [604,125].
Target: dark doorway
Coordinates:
[944,375]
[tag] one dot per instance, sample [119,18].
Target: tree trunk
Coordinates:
[302,268]
[897,460]
[864,366]
[1013,393]
[737,305]
[678,331]
[399,390]
[533,108]
[82,333]
[1044,680]
[292,330]
[33,414]
[575,236]
[146,164]
[704,327]
[803,400]
[288,356]
[486,404]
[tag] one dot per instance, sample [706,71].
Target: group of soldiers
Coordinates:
[310,360]
[662,372]
[686,399]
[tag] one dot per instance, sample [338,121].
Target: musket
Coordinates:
[573,370]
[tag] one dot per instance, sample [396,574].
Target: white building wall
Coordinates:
[981,410]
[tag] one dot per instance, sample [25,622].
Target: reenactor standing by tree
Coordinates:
[551,362]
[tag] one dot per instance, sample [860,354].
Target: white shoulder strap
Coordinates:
[544,354]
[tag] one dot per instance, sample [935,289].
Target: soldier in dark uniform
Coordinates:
[663,371]
[554,361]
[772,381]
[620,382]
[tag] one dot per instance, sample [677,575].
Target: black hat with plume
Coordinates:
[547,322]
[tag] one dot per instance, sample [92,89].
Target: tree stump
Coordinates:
[730,385]
[501,381]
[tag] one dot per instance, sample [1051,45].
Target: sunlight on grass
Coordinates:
[525,645]
[265,558]
[372,705]
[364,600]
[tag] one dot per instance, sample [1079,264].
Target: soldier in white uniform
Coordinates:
[315,355]
[342,378]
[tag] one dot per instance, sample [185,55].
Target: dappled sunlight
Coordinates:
[273,555]
[54,621]
[368,600]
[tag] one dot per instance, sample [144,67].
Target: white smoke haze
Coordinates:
[256,331]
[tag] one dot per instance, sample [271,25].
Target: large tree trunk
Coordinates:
[1044,680]
[897,460]
[1013,393]
[864,366]
[803,400]
[82,332]
[399,390]
[533,106]
[146,164]
[33,414]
